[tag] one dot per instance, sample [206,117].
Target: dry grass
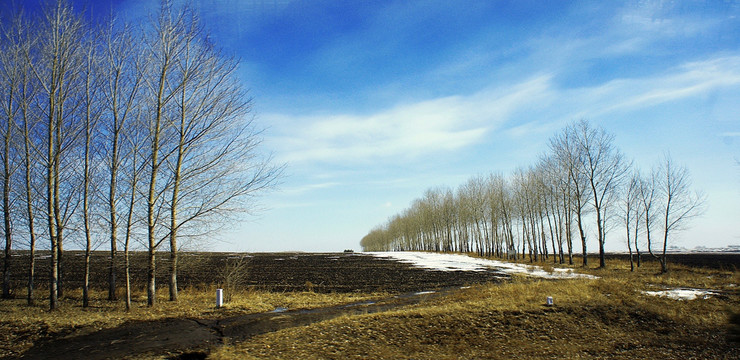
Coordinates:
[22,325]
[608,317]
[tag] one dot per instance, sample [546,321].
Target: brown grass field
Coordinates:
[605,318]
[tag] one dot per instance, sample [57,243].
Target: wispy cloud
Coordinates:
[309,187]
[685,81]
[405,131]
[408,131]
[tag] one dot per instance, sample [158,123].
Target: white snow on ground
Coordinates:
[682,293]
[456,262]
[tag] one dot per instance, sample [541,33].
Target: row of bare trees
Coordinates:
[539,210]
[122,135]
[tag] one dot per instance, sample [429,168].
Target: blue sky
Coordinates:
[370,103]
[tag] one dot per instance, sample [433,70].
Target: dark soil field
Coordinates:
[420,314]
[709,260]
[325,273]
[330,272]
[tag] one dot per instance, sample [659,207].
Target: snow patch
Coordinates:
[683,293]
[457,262]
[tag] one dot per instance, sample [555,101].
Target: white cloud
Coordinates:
[309,187]
[405,131]
[452,123]
[692,79]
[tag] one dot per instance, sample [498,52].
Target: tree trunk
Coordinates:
[53,275]
[31,270]
[57,211]
[86,281]
[129,224]
[113,217]
[86,221]
[53,298]
[6,223]
[583,239]
[637,249]
[128,276]
[60,254]
[6,266]
[151,290]
[600,226]
[173,266]
[29,212]
[629,248]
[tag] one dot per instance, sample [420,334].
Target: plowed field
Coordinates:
[327,272]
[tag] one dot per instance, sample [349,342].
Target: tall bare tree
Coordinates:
[11,77]
[679,205]
[173,90]
[27,128]
[56,65]
[604,167]
[569,156]
[91,113]
[632,213]
[125,69]
[163,47]
[134,169]
[203,144]
[648,197]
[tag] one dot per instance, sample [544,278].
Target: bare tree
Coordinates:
[551,183]
[55,65]
[91,114]
[212,140]
[177,93]
[11,76]
[632,213]
[603,167]
[569,156]
[27,130]
[125,70]
[679,205]
[203,146]
[163,47]
[135,168]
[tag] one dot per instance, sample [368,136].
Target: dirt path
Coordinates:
[192,338]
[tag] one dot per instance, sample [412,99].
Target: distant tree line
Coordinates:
[542,210]
[113,134]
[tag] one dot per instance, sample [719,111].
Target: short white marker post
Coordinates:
[219,298]
[548,301]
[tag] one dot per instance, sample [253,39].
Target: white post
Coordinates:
[219,298]
[549,301]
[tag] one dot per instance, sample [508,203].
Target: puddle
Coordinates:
[361,304]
